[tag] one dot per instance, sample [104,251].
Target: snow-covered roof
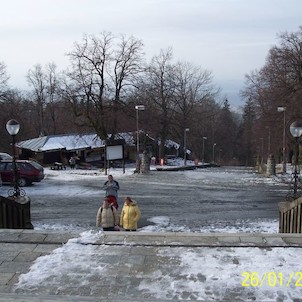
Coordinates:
[128,137]
[70,142]
[33,144]
[62,142]
[170,144]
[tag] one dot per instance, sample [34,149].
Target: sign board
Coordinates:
[114,152]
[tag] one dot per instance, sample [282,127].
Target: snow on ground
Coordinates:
[163,224]
[203,273]
[76,174]
[216,272]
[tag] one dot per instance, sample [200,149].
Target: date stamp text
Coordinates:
[272,279]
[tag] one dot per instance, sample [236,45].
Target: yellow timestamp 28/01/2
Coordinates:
[272,279]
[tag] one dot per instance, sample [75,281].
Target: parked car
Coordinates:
[4,156]
[28,171]
[171,160]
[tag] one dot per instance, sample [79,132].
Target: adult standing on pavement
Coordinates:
[72,162]
[107,216]
[130,215]
[112,186]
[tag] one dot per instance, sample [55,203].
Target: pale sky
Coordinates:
[230,38]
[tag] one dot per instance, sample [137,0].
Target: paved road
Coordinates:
[188,199]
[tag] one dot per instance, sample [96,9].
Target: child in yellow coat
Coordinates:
[130,215]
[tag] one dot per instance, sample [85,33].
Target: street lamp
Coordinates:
[214,152]
[283,109]
[203,139]
[13,127]
[138,108]
[296,132]
[185,146]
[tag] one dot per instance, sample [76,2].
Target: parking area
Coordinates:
[184,200]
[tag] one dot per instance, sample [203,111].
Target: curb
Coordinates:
[170,239]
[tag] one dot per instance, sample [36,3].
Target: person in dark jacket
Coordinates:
[111,187]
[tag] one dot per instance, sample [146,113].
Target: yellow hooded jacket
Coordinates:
[129,216]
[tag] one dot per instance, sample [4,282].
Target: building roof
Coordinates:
[72,142]
[62,142]
[169,144]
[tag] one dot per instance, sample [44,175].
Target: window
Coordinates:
[23,166]
[2,166]
[9,167]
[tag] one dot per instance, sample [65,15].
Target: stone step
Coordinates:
[156,239]
[7,297]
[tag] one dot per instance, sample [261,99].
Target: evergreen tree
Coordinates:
[246,138]
[226,133]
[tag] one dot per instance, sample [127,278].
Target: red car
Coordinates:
[29,171]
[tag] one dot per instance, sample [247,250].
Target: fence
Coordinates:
[15,214]
[290,220]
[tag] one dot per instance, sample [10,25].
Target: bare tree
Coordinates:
[277,83]
[13,106]
[128,64]
[193,87]
[53,79]
[280,77]
[36,78]
[3,78]
[159,93]
[100,73]
[45,85]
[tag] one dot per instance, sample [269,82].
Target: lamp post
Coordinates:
[203,139]
[214,152]
[220,157]
[185,146]
[296,132]
[138,108]
[262,154]
[283,109]
[13,127]
[269,140]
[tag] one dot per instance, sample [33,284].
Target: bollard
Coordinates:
[15,213]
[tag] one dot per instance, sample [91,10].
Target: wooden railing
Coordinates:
[15,214]
[290,216]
